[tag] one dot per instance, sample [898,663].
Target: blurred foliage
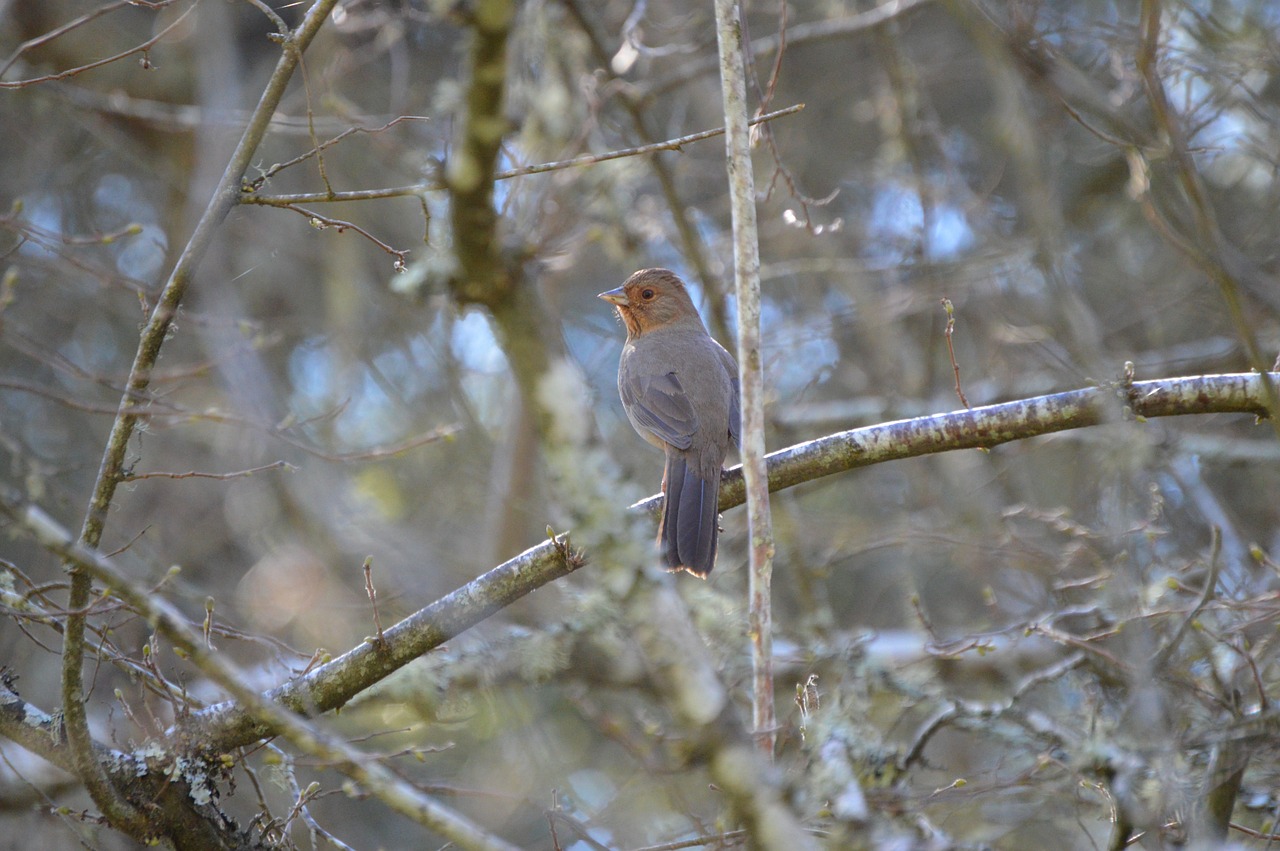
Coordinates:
[938,156]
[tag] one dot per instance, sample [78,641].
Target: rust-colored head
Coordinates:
[650,299]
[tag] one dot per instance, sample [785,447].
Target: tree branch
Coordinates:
[415,189]
[331,685]
[110,473]
[992,425]
[746,263]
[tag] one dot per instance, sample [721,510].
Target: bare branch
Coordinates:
[193,474]
[142,48]
[542,168]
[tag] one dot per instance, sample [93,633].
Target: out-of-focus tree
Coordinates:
[298,335]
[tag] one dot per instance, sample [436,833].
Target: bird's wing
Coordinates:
[658,403]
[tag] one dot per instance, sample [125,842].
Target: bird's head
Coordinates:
[651,299]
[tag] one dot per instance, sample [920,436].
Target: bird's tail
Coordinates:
[690,517]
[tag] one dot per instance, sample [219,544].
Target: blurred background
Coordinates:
[1006,155]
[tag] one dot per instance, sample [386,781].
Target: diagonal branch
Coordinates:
[110,472]
[331,685]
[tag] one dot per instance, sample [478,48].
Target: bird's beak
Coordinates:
[618,297]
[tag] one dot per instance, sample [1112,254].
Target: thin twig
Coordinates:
[763,131]
[142,48]
[367,567]
[951,350]
[321,222]
[194,474]
[1161,657]
[256,183]
[956,708]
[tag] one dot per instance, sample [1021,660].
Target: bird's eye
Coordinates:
[646,294]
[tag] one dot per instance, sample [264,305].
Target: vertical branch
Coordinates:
[110,471]
[746,262]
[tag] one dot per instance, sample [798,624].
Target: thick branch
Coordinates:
[150,777]
[992,425]
[31,727]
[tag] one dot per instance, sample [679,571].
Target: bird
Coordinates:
[680,390]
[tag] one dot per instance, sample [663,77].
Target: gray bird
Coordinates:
[680,390]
